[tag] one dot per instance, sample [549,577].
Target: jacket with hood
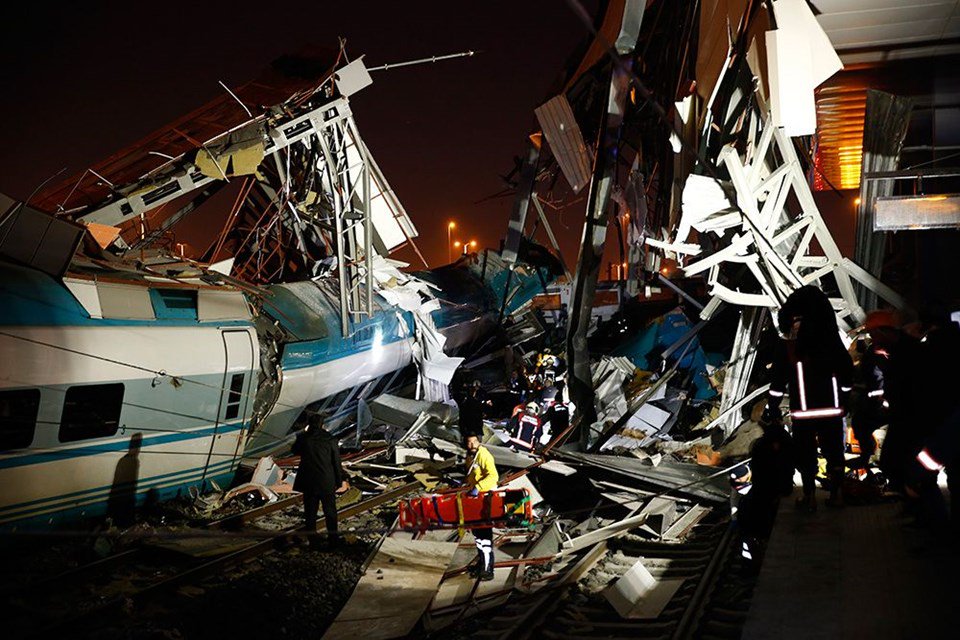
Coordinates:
[320,470]
[814,367]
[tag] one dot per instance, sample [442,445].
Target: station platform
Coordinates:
[856,572]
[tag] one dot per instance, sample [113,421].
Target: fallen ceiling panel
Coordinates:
[394,591]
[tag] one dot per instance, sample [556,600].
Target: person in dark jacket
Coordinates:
[518,385]
[559,413]
[320,476]
[812,363]
[472,405]
[876,375]
[758,487]
[931,440]
[888,395]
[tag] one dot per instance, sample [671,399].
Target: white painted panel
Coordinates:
[795,16]
[65,355]
[353,77]
[86,294]
[221,305]
[898,213]
[383,212]
[885,16]
[922,31]
[791,83]
[124,301]
[68,476]
[827,7]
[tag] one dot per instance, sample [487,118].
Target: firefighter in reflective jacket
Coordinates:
[867,402]
[481,477]
[813,366]
[528,429]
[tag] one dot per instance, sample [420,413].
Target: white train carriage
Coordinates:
[114,393]
[118,391]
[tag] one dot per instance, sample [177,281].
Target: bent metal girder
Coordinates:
[762,233]
[310,200]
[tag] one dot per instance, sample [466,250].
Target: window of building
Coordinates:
[18,417]
[91,411]
[235,397]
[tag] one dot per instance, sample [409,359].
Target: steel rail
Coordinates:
[204,569]
[687,627]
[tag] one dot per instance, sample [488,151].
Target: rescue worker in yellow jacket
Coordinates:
[481,477]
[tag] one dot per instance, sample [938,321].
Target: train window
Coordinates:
[236,395]
[18,417]
[174,303]
[91,411]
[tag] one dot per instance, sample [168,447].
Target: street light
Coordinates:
[473,244]
[450,227]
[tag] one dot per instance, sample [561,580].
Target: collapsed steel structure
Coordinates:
[690,134]
[700,154]
[309,197]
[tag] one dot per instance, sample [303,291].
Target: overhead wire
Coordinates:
[159,373]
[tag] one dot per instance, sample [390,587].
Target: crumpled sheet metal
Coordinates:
[668,474]
[435,368]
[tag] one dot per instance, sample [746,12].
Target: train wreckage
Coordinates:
[143,376]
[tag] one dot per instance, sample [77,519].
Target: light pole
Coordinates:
[473,245]
[456,245]
[450,227]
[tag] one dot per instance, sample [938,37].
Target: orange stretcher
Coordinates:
[458,510]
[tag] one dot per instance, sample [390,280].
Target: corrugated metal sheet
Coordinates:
[840,113]
[566,141]
[897,213]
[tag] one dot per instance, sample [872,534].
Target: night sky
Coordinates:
[88,79]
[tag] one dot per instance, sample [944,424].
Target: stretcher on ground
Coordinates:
[458,510]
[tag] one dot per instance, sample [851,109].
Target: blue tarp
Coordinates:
[659,336]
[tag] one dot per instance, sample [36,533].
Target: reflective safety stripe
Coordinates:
[485,547]
[803,388]
[836,396]
[817,413]
[846,389]
[875,394]
[522,443]
[929,462]
[777,394]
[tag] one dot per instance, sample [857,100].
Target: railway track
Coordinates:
[711,603]
[80,595]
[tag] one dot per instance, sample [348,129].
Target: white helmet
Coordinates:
[533,408]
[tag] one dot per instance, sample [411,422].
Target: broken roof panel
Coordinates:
[288,81]
[681,478]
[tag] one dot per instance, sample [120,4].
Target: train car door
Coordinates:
[235,402]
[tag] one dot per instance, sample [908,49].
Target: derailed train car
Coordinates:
[118,387]
[132,373]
